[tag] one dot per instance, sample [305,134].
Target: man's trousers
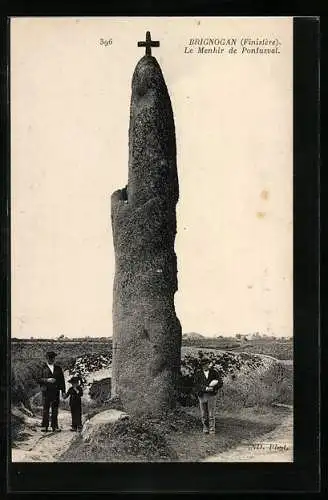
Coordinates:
[50,401]
[207,404]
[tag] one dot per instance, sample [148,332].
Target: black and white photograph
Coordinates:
[152,239]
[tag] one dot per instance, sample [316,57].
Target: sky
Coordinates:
[70,95]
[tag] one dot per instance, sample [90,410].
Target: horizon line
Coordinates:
[220,335]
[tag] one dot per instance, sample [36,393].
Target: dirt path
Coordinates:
[36,446]
[275,446]
[44,447]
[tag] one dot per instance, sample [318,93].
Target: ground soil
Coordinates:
[44,447]
[242,436]
[236,433]
[275,446]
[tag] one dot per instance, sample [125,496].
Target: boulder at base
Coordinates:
[101,419]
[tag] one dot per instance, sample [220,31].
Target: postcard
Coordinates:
[152,239]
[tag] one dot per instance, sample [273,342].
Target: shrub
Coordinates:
[249,380]
[273,386]
[134,439]
[277,382]
[24,384]
[100,390]
[17,424]
[88,363]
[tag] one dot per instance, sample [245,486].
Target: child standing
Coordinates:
[75,393]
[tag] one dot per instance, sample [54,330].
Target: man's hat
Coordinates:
[204,361]
[51,354]
[74,379]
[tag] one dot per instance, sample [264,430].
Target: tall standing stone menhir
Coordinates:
[146,330]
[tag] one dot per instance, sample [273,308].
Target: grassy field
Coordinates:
[278,349]
[24,349]
[35,350]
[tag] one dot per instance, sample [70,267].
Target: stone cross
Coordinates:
[149,43]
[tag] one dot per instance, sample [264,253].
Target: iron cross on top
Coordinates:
[149,43]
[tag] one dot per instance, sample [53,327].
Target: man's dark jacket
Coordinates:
[51,390]
[201,382]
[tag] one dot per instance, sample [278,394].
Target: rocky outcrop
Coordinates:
[146,330]
[101,419]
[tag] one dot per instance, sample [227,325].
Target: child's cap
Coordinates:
[73,380]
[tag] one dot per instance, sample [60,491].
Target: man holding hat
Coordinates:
[207,384]
[51,381]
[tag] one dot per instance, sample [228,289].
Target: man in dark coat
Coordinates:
[51,381]
[207,382]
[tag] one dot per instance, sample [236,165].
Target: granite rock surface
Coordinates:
[146,330]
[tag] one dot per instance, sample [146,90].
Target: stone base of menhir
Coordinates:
[94,424]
